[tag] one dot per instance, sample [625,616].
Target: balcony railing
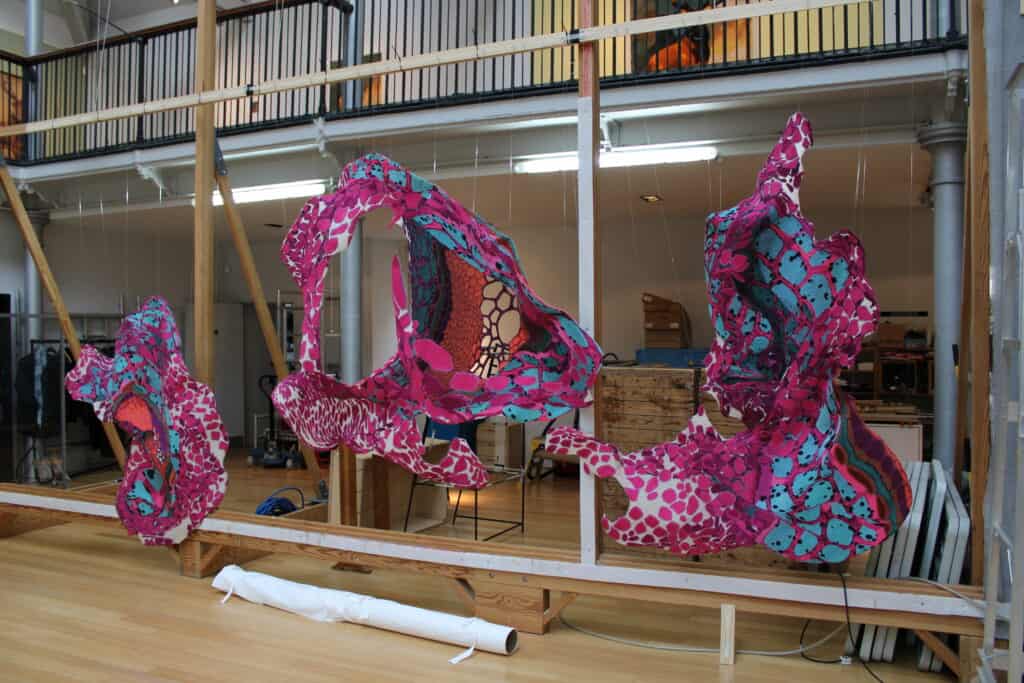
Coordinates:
[292,37]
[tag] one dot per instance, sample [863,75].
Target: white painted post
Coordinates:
[589,256]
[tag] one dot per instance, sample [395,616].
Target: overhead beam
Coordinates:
[585,35]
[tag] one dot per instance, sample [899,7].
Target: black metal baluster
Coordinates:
[251,76]
[280,58]
[388,52]
[427,5]
[405,46]
[515,34]
[553,50]
[323,56]
[476,41]
[140,84]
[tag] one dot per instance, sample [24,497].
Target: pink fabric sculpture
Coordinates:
[806,478]
[473,342]
[174,476]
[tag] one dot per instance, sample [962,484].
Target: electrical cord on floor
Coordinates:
[703,650]
[849,628]
[275,505]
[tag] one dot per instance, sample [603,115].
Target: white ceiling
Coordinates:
[837,182]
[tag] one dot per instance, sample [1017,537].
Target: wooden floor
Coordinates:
[80,603]
[84,604]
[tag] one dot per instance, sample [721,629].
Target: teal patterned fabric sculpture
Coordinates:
[174,476]
[806,478]
[474,340]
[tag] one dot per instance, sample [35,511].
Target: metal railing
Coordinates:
[292,37]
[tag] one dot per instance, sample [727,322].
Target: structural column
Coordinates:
[33,46]
[945,142]
[203,258]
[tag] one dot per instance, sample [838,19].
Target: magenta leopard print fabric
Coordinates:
[474,340]
[174,476]
[806,478]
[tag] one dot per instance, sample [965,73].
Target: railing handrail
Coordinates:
[164,29]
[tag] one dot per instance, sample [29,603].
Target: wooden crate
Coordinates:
[640,407]
[726,426]
[666,324]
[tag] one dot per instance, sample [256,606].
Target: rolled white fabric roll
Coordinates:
[324,604]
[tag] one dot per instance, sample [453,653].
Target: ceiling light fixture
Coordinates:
[266,193]
[619,157]
[651,198]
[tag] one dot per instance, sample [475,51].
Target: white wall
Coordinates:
[12,256]
[666,258]
[94,266]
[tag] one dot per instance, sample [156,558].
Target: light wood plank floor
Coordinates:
[80,603]
[85,604]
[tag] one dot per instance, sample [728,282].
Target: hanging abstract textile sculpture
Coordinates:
[174,476]
[807,477]
[473,342]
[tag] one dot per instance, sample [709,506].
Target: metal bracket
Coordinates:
[611,132]
[220,166]
[320,124]
[153,175]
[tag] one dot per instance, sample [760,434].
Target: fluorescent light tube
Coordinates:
[266,193]
[649,155]
[548,163]
[642,155]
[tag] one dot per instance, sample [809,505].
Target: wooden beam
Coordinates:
[334,488]
[379,468]
[552,612]
[259,299]
[240,237]
[941,650]
[502,48]
[521,607]
[28,233]
[588,140]
[969,646]
[203,256]
[981,362]
[884,602]
[349,511]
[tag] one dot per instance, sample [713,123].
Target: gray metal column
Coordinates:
[352,309]
[352,258]
[945,142]
[33,46]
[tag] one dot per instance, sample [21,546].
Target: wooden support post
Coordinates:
[259,299]
[52,290]
[727,640]
[588,129]
[521,607]
[203,255]
[556,607]
[334,488]
[981,364]
[199,559]
[381,493]
[969,646]
[349,512]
